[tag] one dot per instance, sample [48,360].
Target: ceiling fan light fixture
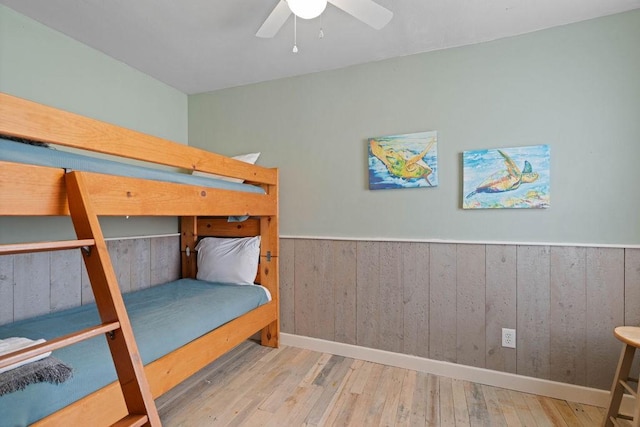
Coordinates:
[307,9]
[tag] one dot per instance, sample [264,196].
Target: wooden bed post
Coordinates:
[269,271]
[188,238]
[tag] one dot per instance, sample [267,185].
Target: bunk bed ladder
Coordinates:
[124,351]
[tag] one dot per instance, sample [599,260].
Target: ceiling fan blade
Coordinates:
[275,20]
[367,11]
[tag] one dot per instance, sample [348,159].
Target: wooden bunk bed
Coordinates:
[28,190]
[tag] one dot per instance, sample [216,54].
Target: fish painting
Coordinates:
[493,179]
[403,161]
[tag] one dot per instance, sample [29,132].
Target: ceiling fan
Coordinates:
[367,11]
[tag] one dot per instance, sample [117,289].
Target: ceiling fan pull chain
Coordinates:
[295,34]
[321,35]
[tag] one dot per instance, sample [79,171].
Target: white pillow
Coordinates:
[228,260]
[247,158]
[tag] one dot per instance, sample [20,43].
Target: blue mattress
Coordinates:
[12,151]
[163,317]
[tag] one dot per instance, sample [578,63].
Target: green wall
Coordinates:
[576,88]
[46,66]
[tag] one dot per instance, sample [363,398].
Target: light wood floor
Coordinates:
[259,386]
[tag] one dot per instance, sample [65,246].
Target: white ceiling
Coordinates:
[203,45]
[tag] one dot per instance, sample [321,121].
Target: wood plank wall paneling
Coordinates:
[38,283]
[286,262]
[66,274]
[500,297]
[632,287]
[165,265]
[568,315]
[6,289]
[533,299]
[415,298]
[140,264]
[390,302]
[471,305]
[632,296]
[343,274]
[450,302]
[314,304]
[605,311]
[32,289]
[442,302]
[367,294]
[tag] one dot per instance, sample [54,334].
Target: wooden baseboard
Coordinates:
[570,392]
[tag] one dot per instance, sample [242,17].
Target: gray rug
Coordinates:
[49,370]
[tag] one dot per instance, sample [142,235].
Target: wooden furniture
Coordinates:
[28,190]
[630,337]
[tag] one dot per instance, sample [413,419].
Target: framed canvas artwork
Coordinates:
[515,177]
[403,161]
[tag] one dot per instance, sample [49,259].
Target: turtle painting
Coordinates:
[404,167]
[506,178]
[403,161]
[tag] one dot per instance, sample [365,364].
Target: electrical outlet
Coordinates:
[508,338]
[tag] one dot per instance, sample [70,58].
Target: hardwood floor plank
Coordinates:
[553,414]
[566,412]
[259,386]
[344,398]
[496,418]
[582,415]
[405,400]
[362,378]
[361,409]
[331,384]
[538,413]
[522,409]
[296,407]
[376,404]
[392,397]
[294,374]
[433,401]
[460,403]
[478,413]
[313,373]
[595,414]
[508,408]
[447,411]
[419,403]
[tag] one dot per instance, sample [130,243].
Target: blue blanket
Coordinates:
[163,317]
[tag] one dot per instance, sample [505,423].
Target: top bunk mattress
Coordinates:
[163,318]
[12,151]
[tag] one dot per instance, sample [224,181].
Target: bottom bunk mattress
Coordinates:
[163,318]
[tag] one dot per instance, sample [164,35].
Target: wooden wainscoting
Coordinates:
[450,302]
[38,283]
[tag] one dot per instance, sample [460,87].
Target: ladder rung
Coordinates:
[19,248]
[132,421]
[54,344]
[628,388]
[624,417]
